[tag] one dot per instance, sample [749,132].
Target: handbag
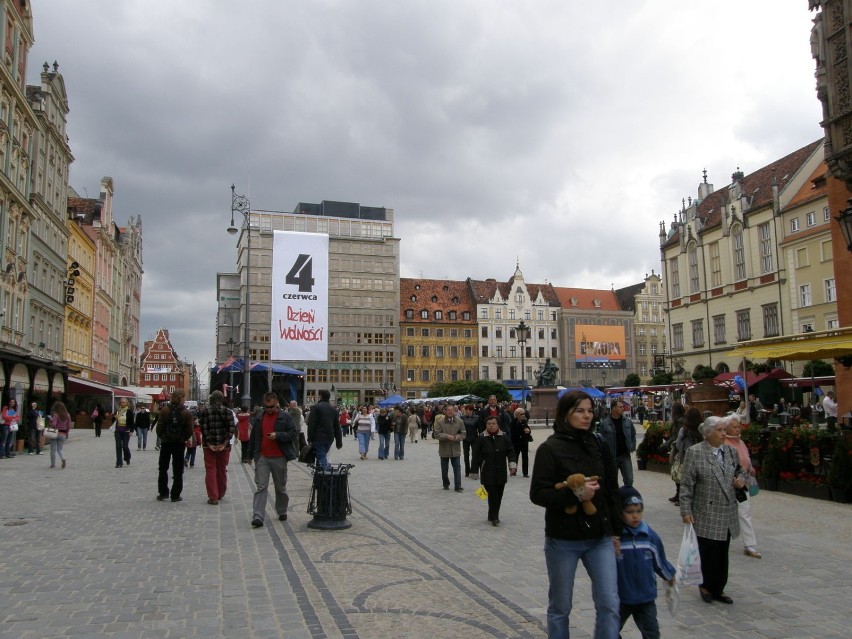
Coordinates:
[112,428]
[13,427]
[688,572]
[481,493]
[677,470]
[308,454]
[40,423]
[50,433]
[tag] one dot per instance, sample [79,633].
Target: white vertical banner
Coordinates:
[299,297]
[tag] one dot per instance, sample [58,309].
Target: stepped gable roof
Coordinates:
[756,186]
[584,299]
[434,295]
[626,296]
[483,291]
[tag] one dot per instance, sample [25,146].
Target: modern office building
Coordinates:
[363,354]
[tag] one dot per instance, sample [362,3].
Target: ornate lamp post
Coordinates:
[522,333]
[231,346]
[240,204]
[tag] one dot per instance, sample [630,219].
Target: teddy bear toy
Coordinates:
[577,483]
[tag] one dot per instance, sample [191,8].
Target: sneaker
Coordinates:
[63,463]
[177,498]
[256,523]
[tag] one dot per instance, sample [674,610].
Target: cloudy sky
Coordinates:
[558,133]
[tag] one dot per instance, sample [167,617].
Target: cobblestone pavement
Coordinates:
[88,552]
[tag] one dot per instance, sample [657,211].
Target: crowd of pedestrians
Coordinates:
[590,517]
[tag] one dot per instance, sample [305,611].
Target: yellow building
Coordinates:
[79,297]
[438,334]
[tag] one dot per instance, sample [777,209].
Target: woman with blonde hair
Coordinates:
[60,419]
[124,425]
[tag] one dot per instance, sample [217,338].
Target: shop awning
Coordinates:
[145,394]
[805,346]
[80,386]
[808,382]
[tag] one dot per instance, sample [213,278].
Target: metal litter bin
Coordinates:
[330,502]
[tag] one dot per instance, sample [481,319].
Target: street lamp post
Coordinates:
[231,345]
[240,204]
[522,332]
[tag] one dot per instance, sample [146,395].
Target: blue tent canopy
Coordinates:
[590,391]
[393,400]
[519,395]
[259,367]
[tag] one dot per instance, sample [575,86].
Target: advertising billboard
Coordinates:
[600,346]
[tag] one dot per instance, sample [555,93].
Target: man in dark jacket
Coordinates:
[492,409]
[471,428]
[619,434]
[324,428]
[172,446]
[273,444]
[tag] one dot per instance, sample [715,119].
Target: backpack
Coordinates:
[174,425]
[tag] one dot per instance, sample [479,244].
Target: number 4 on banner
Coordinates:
[302,274]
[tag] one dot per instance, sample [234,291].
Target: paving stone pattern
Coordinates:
[88,552]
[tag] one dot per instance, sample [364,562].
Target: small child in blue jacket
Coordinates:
[641,555]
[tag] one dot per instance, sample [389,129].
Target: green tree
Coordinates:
[449,389]
[703,372]
[661,379]
[633,380]
[820,368]
[484,389]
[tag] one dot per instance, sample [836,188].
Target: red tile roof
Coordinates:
[435,295]
[483,290]
[586,299]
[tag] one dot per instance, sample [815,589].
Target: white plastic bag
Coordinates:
[689,561]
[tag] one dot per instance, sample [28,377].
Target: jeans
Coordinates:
[645,616]
[189,458]
[598,556]
[170,452]
[245,451]
[263,468]
[399,445]
[322,449]
[445,463]
[216,472]
[364,441]
[122,447]
[384,445]
[142,438]
[7,441]
[56,448]
[625,465]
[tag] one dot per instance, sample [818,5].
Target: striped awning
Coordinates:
[818,345]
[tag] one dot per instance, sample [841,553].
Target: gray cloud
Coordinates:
[554,133]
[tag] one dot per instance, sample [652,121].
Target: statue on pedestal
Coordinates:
[546,374]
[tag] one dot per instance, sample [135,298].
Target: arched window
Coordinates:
[739,253]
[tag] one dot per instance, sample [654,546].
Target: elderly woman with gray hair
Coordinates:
[733,425]
[710,480]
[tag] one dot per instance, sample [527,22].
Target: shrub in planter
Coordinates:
[703,372]
[649,447]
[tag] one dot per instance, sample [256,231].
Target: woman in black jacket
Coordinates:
[521,436]
[572,536]
[491,454]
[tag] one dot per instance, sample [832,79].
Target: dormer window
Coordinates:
[413,298]
[573,301]
[434,298]
[424,314]
[597,303]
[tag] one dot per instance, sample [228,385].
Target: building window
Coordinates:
[424,314]
[498,373]
[675,277]
[468,333]
[498,313]
[826,214]
[484,373]
[424,351]
[553,351]
[770,320]
[439,351]
[511,313]
[830,291]
[513,352]
[697,333]
[499,351]
[484,331]
[719,329]
[832,324]
[693,269]
[409,314]
[483,313]
[466,316]
[454,352]
[439,375]
[498,332]
[439,315]
[454,375]
[810,219]
[484,351]
[805,295]
[641,332]
[743,325]
[739,254]
[677,337]
[424,375]
[715,266]
[468,352]
[439,332]
[653,349]
[409,374]
[409,331]
[540,315]
[641,349]
[765,236]
[424,332]
[409,351]
[452,316]
[794,225]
